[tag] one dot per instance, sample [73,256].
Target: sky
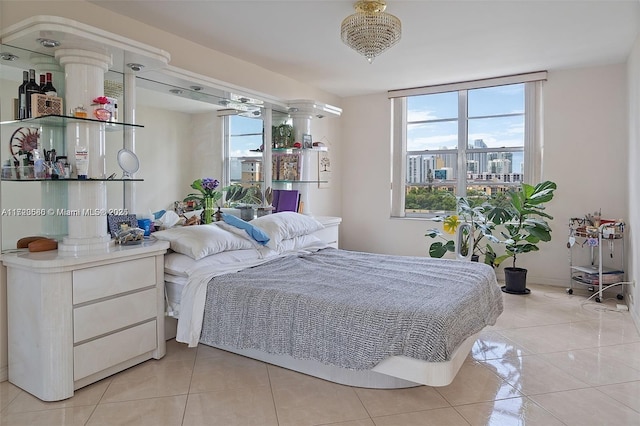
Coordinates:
[241,145]
[491,101]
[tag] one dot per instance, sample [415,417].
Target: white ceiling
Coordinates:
[442,41]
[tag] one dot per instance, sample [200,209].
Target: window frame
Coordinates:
[532,148]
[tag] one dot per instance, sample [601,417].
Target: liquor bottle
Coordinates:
[22,98]
[42,83]
[30,89]
[49,90]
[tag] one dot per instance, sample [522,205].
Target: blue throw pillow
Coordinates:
[254,232]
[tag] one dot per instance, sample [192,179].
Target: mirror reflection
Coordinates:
[188,127]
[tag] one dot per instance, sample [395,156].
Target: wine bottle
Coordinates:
[22,98]
[42,83]
[30,89]
[49,90]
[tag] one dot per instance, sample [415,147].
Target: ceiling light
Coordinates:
[195,88]
[370,31]
[8,56]
[135,67]
[48,43]
[176,91]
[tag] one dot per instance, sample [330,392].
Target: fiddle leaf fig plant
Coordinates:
[524,220]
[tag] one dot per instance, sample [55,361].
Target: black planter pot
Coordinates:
[515,280]
[475,258]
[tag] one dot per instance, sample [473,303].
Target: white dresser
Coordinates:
[330,234]
[74,319]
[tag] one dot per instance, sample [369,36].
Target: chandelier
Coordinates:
[370,31]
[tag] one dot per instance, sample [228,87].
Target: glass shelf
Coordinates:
[64,121]
[299,181]
[254,182]
[297,150]
[72,180]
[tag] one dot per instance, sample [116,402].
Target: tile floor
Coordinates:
[551,359]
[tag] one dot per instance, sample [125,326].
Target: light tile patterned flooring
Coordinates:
[551,359]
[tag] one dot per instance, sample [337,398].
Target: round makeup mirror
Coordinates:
[128,162]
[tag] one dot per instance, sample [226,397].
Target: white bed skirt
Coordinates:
[395,372]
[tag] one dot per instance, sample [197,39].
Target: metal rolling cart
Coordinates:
[605,268]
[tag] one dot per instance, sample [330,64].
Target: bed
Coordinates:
[272,291]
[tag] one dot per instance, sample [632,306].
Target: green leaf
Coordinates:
[433,233]
[490,256]
[438,249]
[499,215]
[539,234]
[498,260]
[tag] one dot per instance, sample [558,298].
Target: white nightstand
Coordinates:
[74,319]
[330,234]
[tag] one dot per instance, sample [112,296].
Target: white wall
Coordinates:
[633,198]
[585,151]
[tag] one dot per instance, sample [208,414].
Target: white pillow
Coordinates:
[182,265]
[200,241]
[286,225]
[303,242]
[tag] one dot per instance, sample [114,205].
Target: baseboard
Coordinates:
[553,282]
[4,373]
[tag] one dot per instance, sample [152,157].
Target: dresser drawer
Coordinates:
[108,280]
[99,354]
[329,235]
[112,314]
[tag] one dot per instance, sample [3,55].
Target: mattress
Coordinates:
[352,309]
[173,286]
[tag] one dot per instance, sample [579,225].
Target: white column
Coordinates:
[84,81]
[130,135]
[302,126]
[267,165]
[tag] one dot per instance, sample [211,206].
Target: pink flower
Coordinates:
[101,100]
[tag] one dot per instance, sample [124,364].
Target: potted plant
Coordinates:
[266,198]
[524,220]
[242,198]
[208,194]
[470,238]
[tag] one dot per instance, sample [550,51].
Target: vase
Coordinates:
[207,214]
[263,211]
[515,280]
[246,213]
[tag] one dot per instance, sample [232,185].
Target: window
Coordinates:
[475,139]
[245,136]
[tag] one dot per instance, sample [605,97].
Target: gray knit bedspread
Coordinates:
[352,309]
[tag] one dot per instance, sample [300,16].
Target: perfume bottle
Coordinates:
[80,112]
[102,113]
